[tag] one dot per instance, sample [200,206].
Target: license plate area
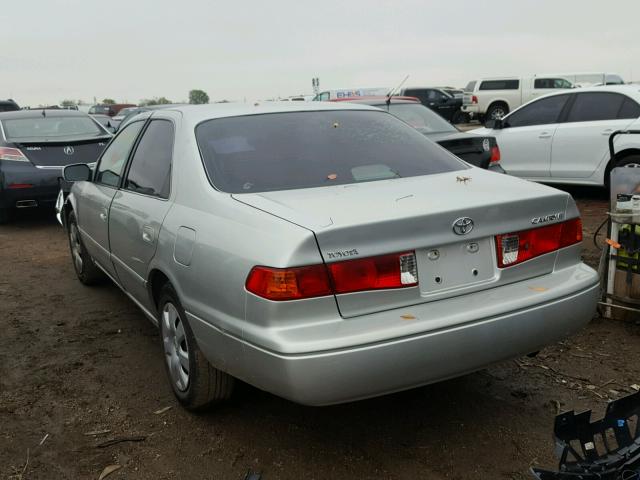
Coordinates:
[456,266]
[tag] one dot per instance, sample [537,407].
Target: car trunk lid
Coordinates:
[417,214]
[48,154]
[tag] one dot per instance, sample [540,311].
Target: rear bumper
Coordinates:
[472,110]
[352,373]
[44,185]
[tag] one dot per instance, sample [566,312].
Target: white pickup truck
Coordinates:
[493,98]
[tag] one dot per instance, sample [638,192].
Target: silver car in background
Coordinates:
[324,253]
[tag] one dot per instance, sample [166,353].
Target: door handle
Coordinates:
[103,216]
[544,135]
[147,234]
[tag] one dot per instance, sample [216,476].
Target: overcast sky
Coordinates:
[133,49]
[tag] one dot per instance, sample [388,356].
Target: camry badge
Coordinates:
[68,150]
[462,226]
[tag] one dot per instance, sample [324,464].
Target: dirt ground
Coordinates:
[76,360]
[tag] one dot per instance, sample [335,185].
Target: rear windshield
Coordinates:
[470,86]
[420,117]
[51,127]
[282,151]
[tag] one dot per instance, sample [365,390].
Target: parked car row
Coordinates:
[330,252]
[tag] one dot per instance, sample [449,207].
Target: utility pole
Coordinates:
[315,83]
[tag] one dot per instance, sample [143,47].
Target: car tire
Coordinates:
[497,110]
[460,117]
[86,270]
[635,158]
[195,382]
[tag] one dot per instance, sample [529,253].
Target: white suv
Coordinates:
[493,98]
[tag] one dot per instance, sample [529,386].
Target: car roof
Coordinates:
[632,91]
[37,113]
[199,113]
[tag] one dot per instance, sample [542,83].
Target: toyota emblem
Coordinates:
[462,226]
[68,150]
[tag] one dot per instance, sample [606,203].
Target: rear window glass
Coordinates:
[420,117]
[500,85]
[470,86]
[51,127]
[282,151]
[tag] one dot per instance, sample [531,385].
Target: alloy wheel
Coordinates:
[175,345]
[76,249]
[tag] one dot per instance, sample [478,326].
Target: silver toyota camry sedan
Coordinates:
[324,253]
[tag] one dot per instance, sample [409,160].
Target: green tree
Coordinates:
[67,103]
[155,101]
[109,101]
[198,97]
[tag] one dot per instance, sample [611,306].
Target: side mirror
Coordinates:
[78,172]
[496,124]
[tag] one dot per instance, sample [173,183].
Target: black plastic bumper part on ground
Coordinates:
[606,449]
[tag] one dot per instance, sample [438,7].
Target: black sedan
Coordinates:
[34,147]
[481,151]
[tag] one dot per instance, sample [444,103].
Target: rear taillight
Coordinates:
[474,99]
[518,247]
[373,273]
[289,283]
[12,154]
[495,154]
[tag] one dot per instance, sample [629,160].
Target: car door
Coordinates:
[139,207]
[92,208]
[526,137]
[439,102]
[580,144]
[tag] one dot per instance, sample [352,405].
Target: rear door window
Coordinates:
[593,106]
[540,112]
[150,170]
[291,150]
[551,83]
[629,109]
[115,155]
[500,85]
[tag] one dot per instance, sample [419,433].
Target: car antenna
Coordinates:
[393,90]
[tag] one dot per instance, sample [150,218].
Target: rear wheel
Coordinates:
[460,117]
[497,111]
[86,270]
[195,382]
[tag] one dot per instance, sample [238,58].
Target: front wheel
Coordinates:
[85,269]
[195,382]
